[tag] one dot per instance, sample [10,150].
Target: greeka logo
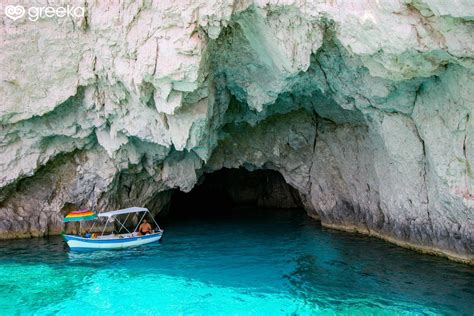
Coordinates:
[16,12]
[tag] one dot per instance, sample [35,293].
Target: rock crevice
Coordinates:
[364,108]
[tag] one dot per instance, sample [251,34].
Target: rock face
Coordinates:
[364,107]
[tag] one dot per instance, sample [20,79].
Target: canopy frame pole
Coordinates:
[122,225]
[144,213]
[105,226]
[154,221]
[80,228]
[92,227]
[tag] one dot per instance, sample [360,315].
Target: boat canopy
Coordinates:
[87,214]
[123,211]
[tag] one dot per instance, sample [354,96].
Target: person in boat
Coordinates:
[145,228]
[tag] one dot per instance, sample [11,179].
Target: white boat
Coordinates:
[111,241]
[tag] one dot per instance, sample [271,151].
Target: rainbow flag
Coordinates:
[80,215]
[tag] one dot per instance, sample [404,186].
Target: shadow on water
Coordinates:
[48,250]
[364,265]
[273,251]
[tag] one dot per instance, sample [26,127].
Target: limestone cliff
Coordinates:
[365,107]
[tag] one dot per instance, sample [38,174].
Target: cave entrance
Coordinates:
[233,193]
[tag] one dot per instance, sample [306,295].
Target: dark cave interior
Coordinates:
[230,192]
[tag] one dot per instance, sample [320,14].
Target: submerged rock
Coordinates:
[365,108]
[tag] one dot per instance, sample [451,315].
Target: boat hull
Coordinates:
[77,243]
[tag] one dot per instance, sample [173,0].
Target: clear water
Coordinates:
[266,264]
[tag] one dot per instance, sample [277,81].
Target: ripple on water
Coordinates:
[272,263]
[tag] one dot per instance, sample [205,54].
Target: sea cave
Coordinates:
[351,120]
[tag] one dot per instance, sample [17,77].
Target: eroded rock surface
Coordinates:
[364,107]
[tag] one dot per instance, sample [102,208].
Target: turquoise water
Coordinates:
[273,263]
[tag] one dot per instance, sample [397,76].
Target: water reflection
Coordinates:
[48,250]
[279,253]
